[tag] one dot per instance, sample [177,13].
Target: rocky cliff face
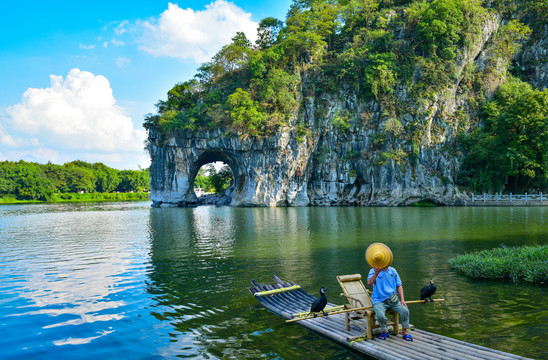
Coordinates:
[365,164]
[533,60]
[283,171]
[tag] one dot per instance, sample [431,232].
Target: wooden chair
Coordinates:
[358,297]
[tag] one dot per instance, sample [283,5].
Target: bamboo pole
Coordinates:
[447,341]
[341,337]
[423,301]
[357,309]
[332,313]
[419,349]
[463,351]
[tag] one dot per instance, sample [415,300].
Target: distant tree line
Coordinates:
[32,181]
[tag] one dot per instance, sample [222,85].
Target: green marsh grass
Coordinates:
[520,264]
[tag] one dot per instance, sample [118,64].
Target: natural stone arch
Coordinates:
[211,156]
[270,171]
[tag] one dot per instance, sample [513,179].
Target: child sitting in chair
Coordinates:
[386,282]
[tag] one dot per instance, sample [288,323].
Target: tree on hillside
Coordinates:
[25,181]
[310,25]
[106,180]
[133,180]
[230,58]
[222,179]
[267,32]
[511,153]
[211,180]
[57,175]
[203,179]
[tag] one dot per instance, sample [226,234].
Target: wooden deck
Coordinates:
[293,301]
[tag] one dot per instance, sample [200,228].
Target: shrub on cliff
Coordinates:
[245,113]
[445,24]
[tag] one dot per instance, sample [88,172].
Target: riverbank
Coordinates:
[78,197]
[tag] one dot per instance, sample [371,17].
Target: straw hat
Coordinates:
[378,255]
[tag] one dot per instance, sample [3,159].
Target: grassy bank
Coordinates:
[78,197]
[520,264]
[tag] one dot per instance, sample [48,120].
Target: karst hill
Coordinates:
[364,102]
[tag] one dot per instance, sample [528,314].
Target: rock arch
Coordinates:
[216,155]
[267,171]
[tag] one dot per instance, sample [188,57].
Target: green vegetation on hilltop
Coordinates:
[520,264]
[403,55]
[27,181]
[324,45]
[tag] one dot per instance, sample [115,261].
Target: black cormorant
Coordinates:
[319,304]
[428,291]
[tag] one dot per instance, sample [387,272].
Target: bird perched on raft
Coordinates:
[428,291]
[319,304]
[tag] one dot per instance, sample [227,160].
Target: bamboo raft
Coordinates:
[288,300]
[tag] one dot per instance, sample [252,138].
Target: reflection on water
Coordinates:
[84,281]
[66,275]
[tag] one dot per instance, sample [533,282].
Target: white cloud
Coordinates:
[74,118]
[113,42]
[6,139]
[197,35]
[122,61]
[117,42]
[120,28]
[87,47]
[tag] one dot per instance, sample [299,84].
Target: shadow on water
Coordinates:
[204,258]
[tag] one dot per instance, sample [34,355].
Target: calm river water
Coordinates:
[106,281]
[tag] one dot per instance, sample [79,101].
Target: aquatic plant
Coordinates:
[520,264]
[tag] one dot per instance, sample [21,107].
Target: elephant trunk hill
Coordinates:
[382,105]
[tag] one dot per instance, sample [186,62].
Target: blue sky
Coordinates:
[77,78]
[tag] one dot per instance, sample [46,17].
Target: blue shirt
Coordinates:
[385,285]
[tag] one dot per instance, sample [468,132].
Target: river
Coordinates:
[124,280]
